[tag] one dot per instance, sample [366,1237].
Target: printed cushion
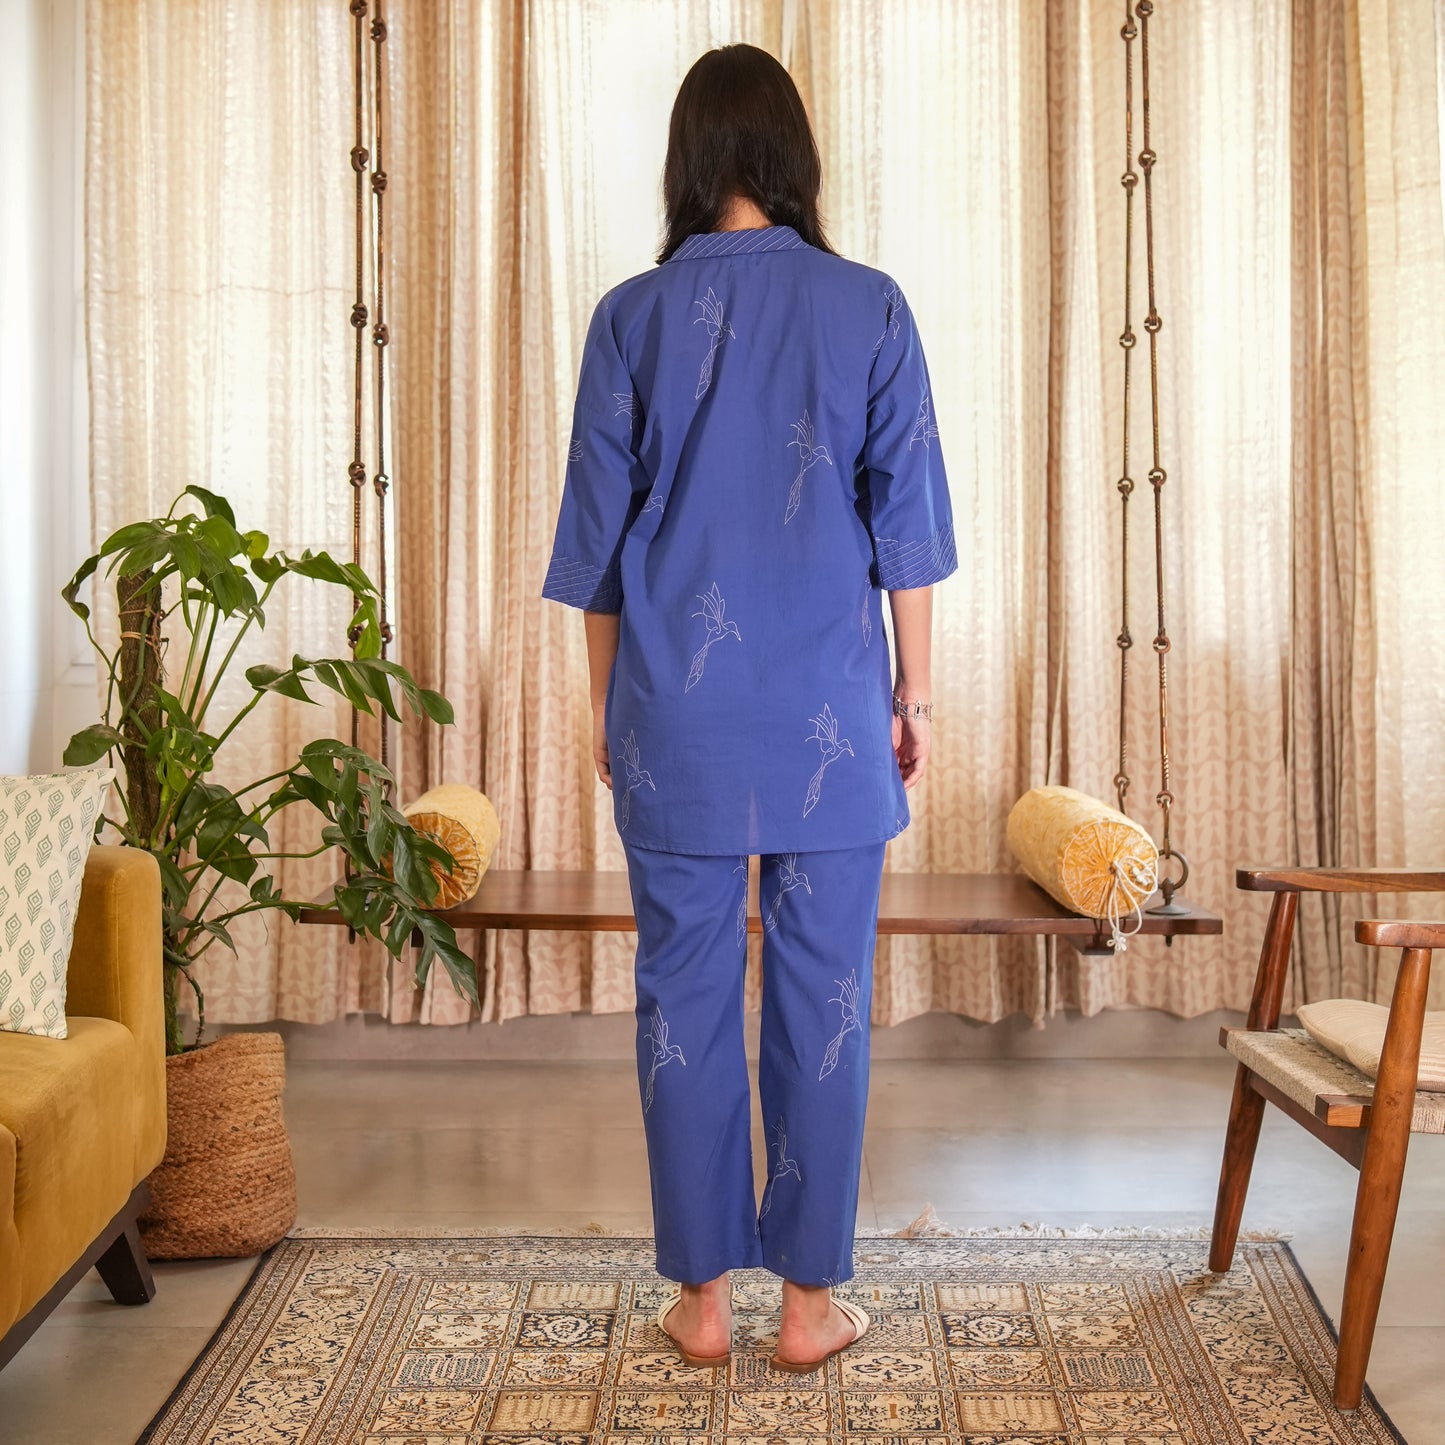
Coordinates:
[1354,1030]
[47,824]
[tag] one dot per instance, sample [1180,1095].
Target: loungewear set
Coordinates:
[753,461]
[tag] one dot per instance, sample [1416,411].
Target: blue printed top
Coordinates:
[754,456]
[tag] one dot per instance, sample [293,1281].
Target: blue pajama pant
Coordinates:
[820,920]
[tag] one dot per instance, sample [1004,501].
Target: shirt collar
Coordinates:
[738,243]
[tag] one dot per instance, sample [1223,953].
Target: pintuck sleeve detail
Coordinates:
[580,584]
[910,516]
[606,482]
[918,563]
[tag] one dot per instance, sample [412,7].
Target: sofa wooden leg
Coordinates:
[126,1270]
[116,1252]
[1246,1113]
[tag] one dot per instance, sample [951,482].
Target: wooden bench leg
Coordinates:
[125,1268]
[1246,1113]
[1382,1171]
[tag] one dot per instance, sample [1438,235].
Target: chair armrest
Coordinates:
[116,969]
[1390,933]
[1340,880]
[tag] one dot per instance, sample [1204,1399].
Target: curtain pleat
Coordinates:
[217,296]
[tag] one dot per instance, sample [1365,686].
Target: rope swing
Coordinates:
[368,95]
[1088,856]
[1131,32]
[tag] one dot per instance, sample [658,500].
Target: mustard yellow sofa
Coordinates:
[83,1119]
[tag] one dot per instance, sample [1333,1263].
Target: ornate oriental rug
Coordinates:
[988,1340]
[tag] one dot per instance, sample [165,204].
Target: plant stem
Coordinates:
[194,828]
[200,916]
[205,661]
[174,800]
[241,715]
[193,627]
[175,1044]
[225,662]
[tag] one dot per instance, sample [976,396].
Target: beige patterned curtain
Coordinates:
[217,291]
[974,151]
[1391,101]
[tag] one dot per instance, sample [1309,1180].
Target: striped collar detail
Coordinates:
[738,243]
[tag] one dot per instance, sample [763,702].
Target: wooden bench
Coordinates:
[910,903]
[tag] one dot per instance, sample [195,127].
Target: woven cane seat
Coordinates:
[1313,1077]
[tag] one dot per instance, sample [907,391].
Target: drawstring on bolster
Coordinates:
[1134,880]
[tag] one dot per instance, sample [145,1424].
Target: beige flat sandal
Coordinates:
[860,1319]
[701,1362]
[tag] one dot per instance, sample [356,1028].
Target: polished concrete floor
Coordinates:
[557,1145]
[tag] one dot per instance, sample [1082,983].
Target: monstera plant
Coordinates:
[192,588]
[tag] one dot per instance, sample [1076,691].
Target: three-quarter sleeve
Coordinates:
[605,482]
[910,515]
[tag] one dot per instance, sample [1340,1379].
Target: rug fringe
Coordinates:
[481,1231]
[926,1226]
[929,1226]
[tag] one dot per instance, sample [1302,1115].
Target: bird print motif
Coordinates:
[782,1168]
[713,614]
[626,403]
[894,297]
[743,901]
[825,733]
[662,1053]
[808,454]
[847,1000]
[717,327]
[653,503]
[866,616]
[924,427]
[574,452]
[788,879]
[634,774]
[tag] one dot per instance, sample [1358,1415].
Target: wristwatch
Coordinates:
[912,709]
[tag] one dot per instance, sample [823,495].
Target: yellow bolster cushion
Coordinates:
[1081,852]
[464,822]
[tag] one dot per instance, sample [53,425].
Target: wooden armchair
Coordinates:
[1368,1122]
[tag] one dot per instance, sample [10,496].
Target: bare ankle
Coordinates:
[713,1292]
[806,1302]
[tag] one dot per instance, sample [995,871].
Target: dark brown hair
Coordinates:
[739,128]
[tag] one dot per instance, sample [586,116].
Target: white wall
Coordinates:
[47,683]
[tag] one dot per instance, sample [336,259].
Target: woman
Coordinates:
[753,460]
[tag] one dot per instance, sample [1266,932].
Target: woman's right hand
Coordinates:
[600,755]
[911,738]
[602,633]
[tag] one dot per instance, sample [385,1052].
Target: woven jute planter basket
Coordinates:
[227,1185]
